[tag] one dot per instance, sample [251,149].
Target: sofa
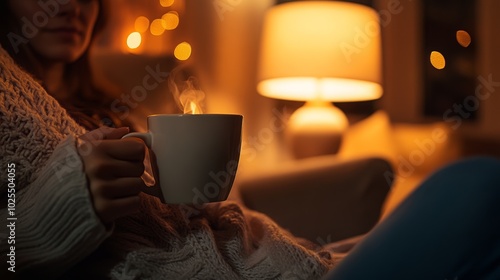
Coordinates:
[334,197]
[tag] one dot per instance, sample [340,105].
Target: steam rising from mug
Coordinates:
[187,95]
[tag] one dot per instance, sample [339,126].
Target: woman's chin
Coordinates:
[66,56]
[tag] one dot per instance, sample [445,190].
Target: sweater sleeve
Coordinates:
[56,226]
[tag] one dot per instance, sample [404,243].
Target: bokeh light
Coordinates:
[134,40]
[182,51]
[141,24]
[156,27]
[166,3]
[463,38]
[170,20]
[437,60]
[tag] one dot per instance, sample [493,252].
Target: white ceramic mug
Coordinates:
[194,157]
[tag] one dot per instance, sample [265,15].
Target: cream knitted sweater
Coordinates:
[56,227]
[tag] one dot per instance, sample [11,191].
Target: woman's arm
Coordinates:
[63,193]
[56,225]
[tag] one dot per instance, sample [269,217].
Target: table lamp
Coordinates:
[319,52]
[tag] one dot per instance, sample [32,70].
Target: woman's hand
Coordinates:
[113,167]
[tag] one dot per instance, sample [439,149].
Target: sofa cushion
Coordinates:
[371,137]
[323,199]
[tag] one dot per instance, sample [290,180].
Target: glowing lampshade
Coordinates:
[320,52]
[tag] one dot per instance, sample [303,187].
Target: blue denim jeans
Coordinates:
[447,229]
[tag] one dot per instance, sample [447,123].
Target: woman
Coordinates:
[57,55]
[48,40]
[51,41]
[77,192]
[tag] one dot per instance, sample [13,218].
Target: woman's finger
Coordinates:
[125,149]
[109,168]
[121,187]
[120,207]
[116,133]
[127,169]
[105,132]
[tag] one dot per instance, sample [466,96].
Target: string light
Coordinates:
[141,24]
[463,38]
[437,60]
[156,27]
[166,3]
[169,21]
[134,40]
[182,51]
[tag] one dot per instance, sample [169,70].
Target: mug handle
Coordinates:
[152,190]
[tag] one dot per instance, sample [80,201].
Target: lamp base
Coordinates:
[316,129]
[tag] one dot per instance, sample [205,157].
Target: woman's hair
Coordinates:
[89,105]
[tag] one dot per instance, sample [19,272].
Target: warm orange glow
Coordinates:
[141,24]
[463,38]
[437,60]
[319,117]
[331,89]
[166,3]
[182,51]
[134,40]
[170,20]
[329,50]
[156,27]
[191,99]
[193,107]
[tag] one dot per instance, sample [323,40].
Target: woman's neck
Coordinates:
[50,73]
[52,76]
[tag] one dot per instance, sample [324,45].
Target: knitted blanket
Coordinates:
[213,241]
